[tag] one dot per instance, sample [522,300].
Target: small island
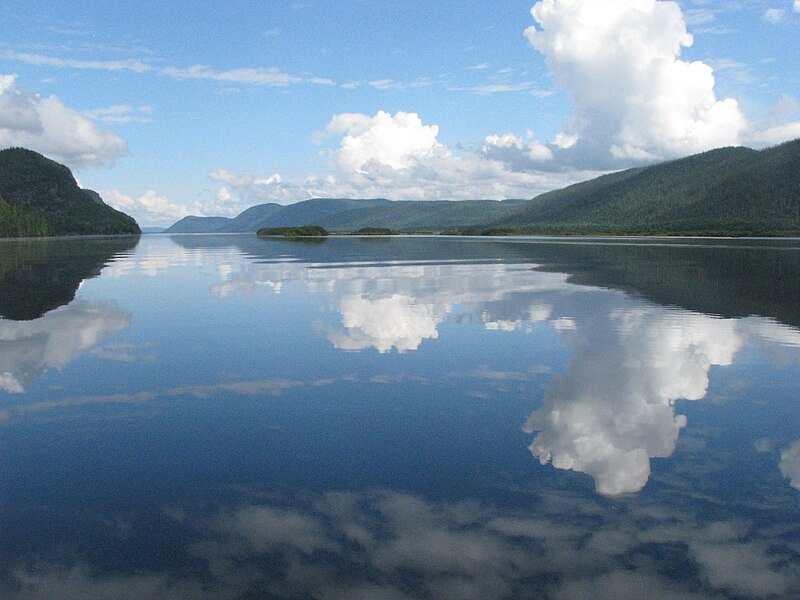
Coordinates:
[293,232]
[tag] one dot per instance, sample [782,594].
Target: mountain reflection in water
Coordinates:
[257,418]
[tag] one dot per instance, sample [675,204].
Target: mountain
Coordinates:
[735,191]
[39,197]
[192,224]
[340,214]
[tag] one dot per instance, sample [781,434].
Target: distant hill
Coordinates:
[339,214]
[734,191]
[192,224]
[728,191]
[40,197]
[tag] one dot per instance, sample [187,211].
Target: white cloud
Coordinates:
[778,124]
[516,153]
[149,207]
[500,88]
[773,15]
[122,113]
[271,76]
[49,127]
[398,156]
[796,5]
[135,66]
[251,75]
[634,98]
[397,141]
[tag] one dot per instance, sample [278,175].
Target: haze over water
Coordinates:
[234,417]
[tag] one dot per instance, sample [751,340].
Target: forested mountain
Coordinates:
[725,191]
[39,196]
[338,214]
[728,191]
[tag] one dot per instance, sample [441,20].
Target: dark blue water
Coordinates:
[234,417]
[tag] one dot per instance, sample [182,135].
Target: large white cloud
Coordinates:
[398,141]
[633,96]
[399,156]
[49,127]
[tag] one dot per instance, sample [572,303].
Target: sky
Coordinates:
[207,108]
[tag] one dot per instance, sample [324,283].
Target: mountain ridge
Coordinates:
[725,191]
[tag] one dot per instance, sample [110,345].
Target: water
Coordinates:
[229,417]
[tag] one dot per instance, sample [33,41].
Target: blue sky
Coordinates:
[208,108]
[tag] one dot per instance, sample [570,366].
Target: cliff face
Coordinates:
[40,197]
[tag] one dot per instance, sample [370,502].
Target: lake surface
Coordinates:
[234,417]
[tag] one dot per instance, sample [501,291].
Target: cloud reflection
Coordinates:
[397,322]
[29,348]
[613,410]
[790,464]
[390,544]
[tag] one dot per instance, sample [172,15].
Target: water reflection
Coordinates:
[29,348]
[37,276]
[398,321]
[391,544]
[790,464]
[255,459]
[613,410]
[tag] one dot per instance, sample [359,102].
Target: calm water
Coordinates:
[229,417]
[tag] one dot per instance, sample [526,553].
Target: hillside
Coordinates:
[734,191]
[40,197]
[338,214]
[192,224]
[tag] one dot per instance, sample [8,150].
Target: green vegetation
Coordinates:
[41,197]
[294,232]
[343,215]
[724,192]
[374,231]
[729,191]
[16,222]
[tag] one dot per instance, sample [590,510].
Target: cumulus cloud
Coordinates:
[398,141]
[245,189]
[796,5]
[398,156]
[634,99]
[149,207]
[29,348]
[516,153]
[49,127]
